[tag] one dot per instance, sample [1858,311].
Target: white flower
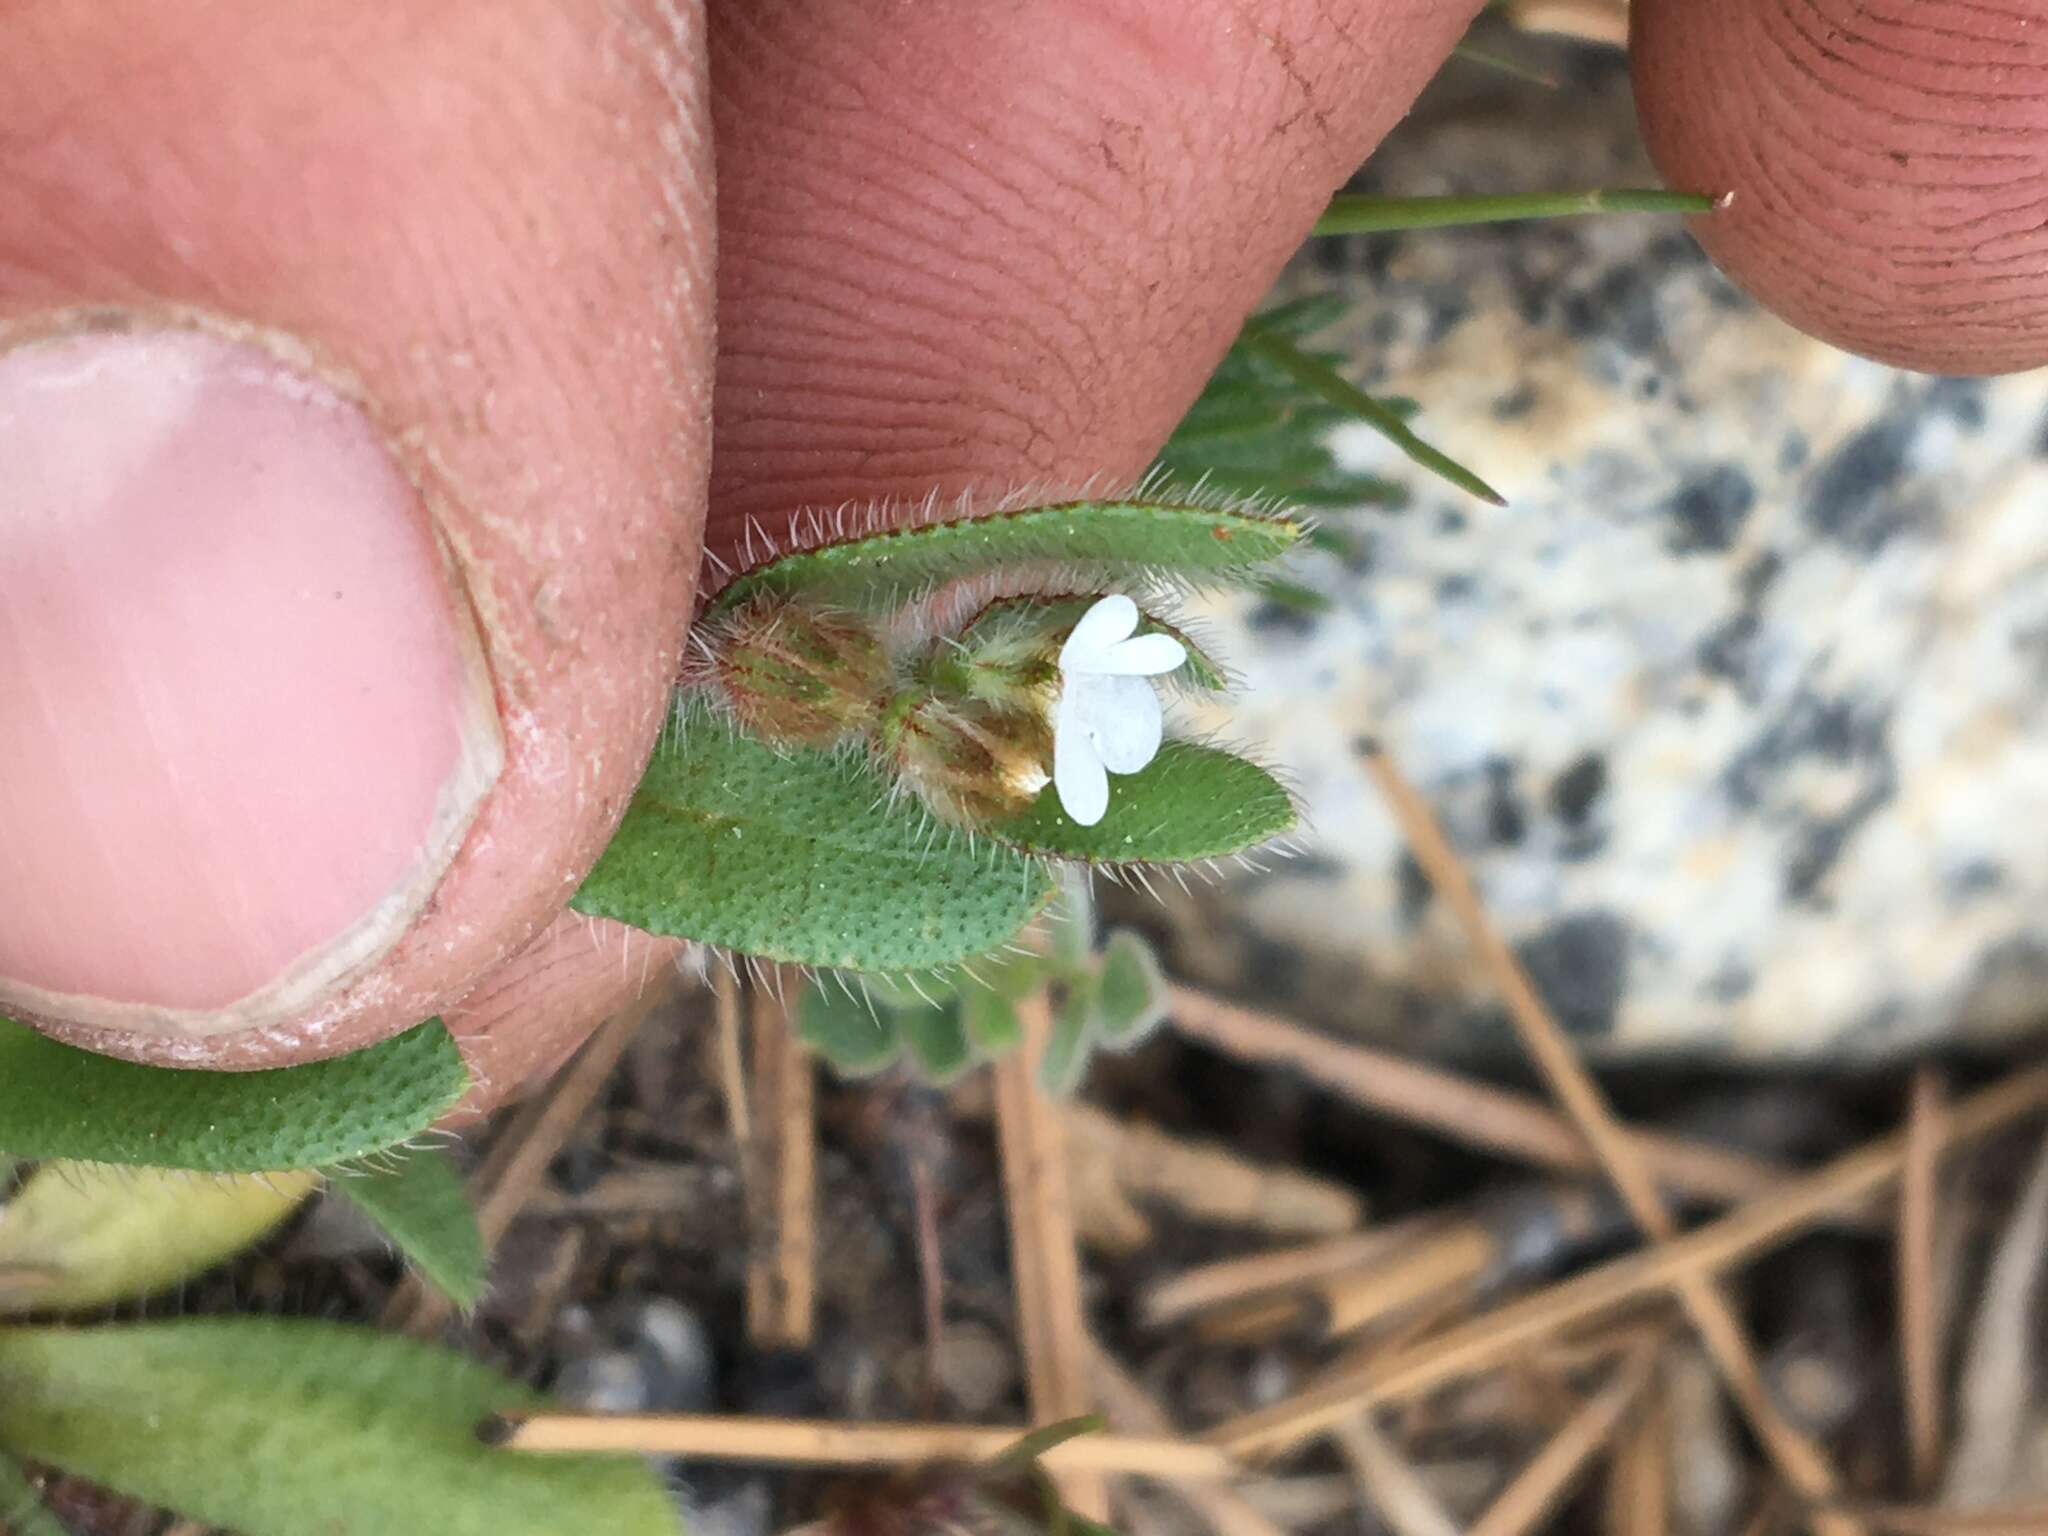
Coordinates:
[1109,718]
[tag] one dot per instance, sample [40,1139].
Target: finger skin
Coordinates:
[493,224]
[975,247]
[529,1016]
[1888,161]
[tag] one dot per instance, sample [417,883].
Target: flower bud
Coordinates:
[801,676]
[1008,654]
[974,764]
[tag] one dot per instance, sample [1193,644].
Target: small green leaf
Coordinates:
[1068,1048]
[805,857]
[278,1428]
[22,1511]
[938,1041]
[855,1035]
[1131,999]
[79,1235]
[419,1203]
[990,1020]
[1106,541]
[60,1102]
[1189,803]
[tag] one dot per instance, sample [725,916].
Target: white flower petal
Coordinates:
[1124,721]
[1144,656]
[1077,772]
[1112,619]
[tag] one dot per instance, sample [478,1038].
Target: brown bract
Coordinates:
[1887,160]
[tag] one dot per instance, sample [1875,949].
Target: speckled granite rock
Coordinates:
[1740,708]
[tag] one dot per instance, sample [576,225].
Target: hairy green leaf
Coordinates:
[990,1019]
[419,1203]
[938,1041]
[858,1037]
[1068,1047]
[80,1235]
[278,1428]
[1106,541]
[1189,803]
[804,857]
[1131,999]
[60,1102]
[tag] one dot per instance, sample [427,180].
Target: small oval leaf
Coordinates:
[1131,997]
[1068,1047]
[418,1202]
[938,1041]
[60,1102]
[1109,541]
[991,1020]
[1189,803]
[806,857]
[275,1427]
[859,1038]
[91,1234]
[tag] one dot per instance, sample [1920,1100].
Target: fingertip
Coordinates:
[1882,170]
[493,226]
[966,249]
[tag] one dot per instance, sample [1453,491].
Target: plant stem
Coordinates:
[1371,215]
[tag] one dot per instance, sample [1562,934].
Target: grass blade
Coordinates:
[1351,214]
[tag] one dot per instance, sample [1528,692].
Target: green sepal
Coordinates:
[1011,619]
